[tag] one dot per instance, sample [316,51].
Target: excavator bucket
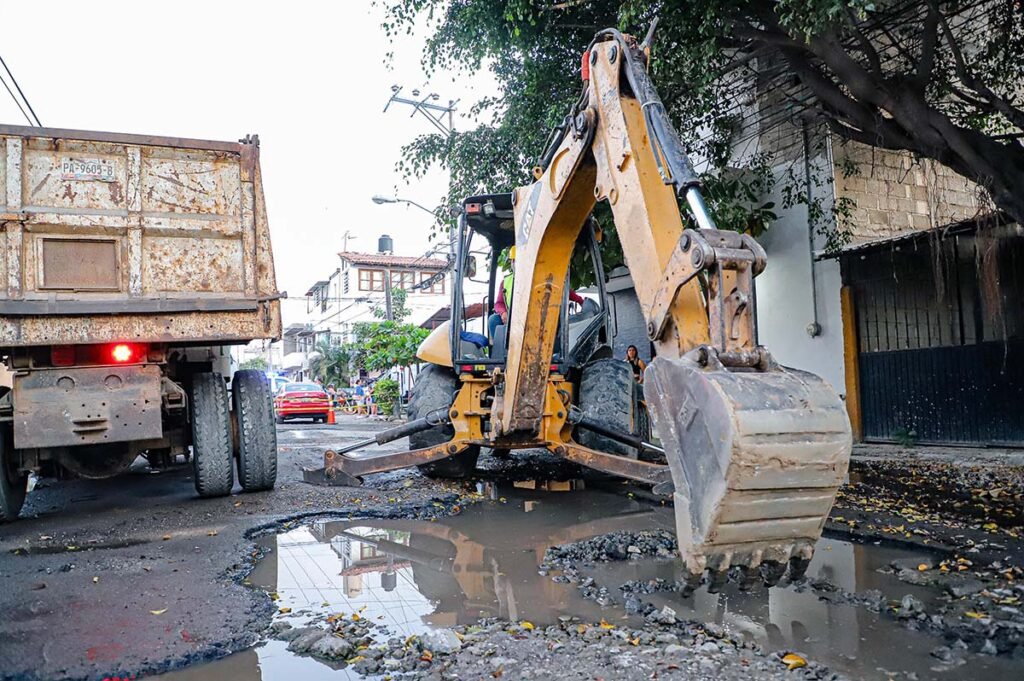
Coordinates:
[756,458]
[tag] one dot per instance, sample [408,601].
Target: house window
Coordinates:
[371,280]
[438,285]
[405,280]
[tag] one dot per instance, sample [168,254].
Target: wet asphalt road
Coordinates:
[135,574]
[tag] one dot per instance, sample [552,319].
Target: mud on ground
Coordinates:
[134,576]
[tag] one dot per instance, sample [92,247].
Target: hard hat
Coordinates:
[512,253]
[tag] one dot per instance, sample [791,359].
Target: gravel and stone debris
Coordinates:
[570,649]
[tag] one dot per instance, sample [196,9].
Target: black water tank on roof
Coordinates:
[385,244]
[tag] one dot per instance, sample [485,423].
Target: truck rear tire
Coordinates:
[257,434]
[213,456]
[12,484]
[609,395]
[434,389]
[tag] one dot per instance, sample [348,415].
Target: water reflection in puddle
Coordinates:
[413,575]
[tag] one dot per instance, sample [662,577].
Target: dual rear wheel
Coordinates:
[216,430]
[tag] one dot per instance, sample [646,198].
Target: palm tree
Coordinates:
[332,364]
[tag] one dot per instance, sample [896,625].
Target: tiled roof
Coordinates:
[380,260]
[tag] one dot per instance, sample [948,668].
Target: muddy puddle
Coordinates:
[411,576]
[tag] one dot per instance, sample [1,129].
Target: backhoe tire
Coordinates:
[609,395]
[434,389]
[12,483]
[213,458]
[257,433]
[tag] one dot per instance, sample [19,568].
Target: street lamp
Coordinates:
[380,200]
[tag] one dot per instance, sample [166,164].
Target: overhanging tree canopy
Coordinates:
[942,80]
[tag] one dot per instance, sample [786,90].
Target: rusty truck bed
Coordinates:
[113,236]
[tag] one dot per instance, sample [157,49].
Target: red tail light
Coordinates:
[62,355]
[122,352]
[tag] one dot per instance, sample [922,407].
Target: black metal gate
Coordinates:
[941,333]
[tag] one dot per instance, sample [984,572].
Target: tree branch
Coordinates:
[897,45]
[1014,115]
[929,40]
[858,135]
[839,105]
[870,53]
[973,101]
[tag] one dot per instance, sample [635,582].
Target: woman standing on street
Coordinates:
[638,365]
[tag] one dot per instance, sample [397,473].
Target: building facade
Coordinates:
[358,289]
[914,318]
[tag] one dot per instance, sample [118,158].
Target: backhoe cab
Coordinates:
[461,352]
[486,229]
[754,452]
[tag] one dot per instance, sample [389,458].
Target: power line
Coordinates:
[23,97]
[16,102]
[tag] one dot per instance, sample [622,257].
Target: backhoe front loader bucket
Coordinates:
[756,458]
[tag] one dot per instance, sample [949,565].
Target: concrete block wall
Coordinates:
[893,193]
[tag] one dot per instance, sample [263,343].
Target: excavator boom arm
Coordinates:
[757,452]
[618,147]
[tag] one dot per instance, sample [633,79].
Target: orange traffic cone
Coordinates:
[330,417]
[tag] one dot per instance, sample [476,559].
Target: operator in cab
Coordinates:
[503,300]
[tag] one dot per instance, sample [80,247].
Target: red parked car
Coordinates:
[301,400]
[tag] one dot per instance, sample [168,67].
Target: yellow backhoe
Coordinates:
[752,453]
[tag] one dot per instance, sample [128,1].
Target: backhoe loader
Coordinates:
[755,452]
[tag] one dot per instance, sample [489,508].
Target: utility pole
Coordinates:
[435,113]
[389,313]
[345,237]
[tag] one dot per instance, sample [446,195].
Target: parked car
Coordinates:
[277,382]
[301,400]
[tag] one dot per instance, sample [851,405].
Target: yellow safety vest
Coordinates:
[507,287]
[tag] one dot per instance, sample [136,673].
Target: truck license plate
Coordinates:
[86,169]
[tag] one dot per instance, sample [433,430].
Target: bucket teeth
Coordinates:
[717,580]
[756,459]
[772,571]
[797,568]
[749,577]
[691,583]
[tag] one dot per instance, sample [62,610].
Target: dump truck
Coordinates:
[752,453]
[129,265]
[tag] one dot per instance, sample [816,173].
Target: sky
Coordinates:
[310,78]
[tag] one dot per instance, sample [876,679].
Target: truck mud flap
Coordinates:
[757,457]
